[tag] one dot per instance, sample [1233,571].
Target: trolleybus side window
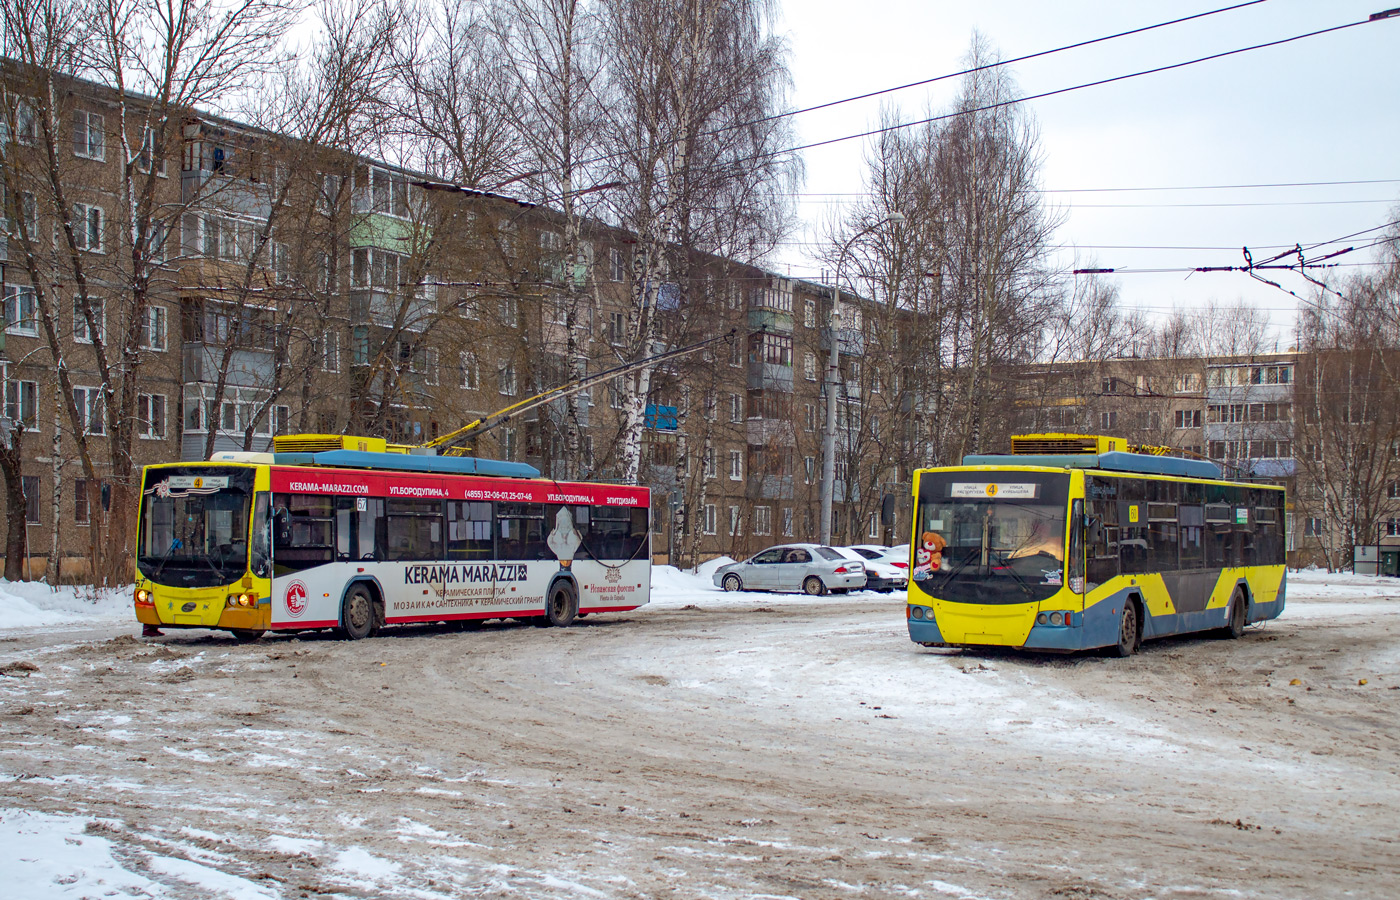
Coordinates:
[521,531]
[303,531]
[260,556]
[618,532]
[469,530]
[413,529]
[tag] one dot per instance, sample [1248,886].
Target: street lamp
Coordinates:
[833,378]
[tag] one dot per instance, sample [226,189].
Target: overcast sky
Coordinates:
[1321,109]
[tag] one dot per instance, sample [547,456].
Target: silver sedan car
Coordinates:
[810,568]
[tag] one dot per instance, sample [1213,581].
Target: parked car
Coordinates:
[810,568]
[894,556]
[880,575]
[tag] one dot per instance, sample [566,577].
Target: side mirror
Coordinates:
[1093,531]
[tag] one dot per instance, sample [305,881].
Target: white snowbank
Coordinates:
[53,856]
[31,604]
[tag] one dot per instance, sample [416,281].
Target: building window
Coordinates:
[1108,420]
[710,518]
[1189,383]
[88,400]
[150,416]
[763,520]
[1312,527]
[30,485]
[873,527]
[87,227]
[22,402]
[510,311]
[709,462]
[82,334]
[736,465]
[19,310]
[617,269]
[89,135]
[470,371]
[81,513]
[153,328]
[809,366]
[809,467]
[736,408]
[508,444]
[1187,418]
[147,153]
[787,521]
[735,523]
[330,350]
[809,313]
[617,328]
[811,410]
[505,376]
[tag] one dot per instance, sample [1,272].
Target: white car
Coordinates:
[880,574]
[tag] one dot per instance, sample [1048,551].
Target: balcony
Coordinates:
[769,433]
[769,376]
[850,340]
[660,418]
[770,320]
[768,487]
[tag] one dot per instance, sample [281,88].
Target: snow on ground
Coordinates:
[1311,593]
[32,604]
[56,856]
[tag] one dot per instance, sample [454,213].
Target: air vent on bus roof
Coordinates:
[318,443]
[1053,444]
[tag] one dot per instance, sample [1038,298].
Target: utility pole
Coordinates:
[833,378]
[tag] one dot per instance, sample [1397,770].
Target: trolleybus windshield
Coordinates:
[991,537]
[194,525]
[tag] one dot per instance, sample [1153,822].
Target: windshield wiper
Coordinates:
[174,542]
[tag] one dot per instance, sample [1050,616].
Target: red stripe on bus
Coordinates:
[328,623]
[504,614]
[353,483]
[596,609]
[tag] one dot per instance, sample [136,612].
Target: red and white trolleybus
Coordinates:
[354,539]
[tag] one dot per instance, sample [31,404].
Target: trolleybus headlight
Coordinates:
[1056,618]
[1042,619]
[242,600]
[143,596]
[918,612]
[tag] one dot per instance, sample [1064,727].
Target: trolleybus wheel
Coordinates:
[813,586]
[732,583]
[1127,631]
[247,635]
[562,605]
[357,614]
[1239,610]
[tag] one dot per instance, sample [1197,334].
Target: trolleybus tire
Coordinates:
[247,635]
[732,583]
[1237,617]
[561,605]
[813,586]
[357,614]
[1128,634]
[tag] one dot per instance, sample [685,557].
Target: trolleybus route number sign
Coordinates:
[969,490]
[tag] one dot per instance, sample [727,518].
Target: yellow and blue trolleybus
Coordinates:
[1072,542]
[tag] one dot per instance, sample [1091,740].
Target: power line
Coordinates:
[1177,187]
[1065,90]
[937,78]
[994,65]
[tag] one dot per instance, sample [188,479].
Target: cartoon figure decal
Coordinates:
[928,557]
[563,541]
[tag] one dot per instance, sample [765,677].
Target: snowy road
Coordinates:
[706,746]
